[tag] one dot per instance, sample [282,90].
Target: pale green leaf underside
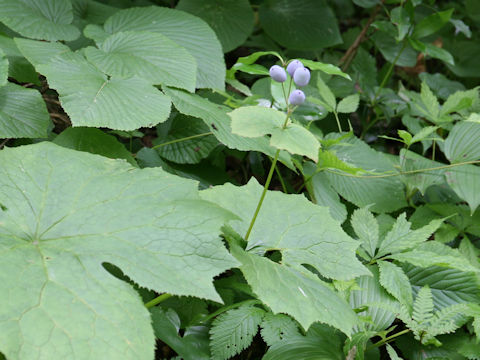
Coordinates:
[233,331]
[90,98]
[300,294]
[40,19]
[23,113]
[150,56]
[215,116]
[303,232]
[65,213]
[186,30]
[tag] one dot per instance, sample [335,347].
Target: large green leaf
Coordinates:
[418,179]
[3,68]
[234,330]
[303,232]
[232,20]
[40,52]
[215,116]
[384,194]
[257,121]
[148,55]
[186,30]
[448,286]
[300,294]
[19,68]
[463,142]
[464,181]
[302,24]
[91,98]
[63,214]
[23,113]
[277,328]
[94,141]
[40,19]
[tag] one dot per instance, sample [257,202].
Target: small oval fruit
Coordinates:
[301,77]
[278,73]
[293,66]
[297,97]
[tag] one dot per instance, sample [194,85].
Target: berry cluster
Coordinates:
[300,75]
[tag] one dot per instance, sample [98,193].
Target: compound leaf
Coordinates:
[234,330]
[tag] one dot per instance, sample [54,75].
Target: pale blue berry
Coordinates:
[301,77]
[294,65]
[297,97]
[278,73]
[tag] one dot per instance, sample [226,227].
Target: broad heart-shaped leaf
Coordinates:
[215,116]
[232,20]
[303,232]
[186,30]
[301,25]
[234,330]
[63,214]
[386,194]
[448,286]
[92,99]
[148,55]
[23,113]
[464,180]
[3,68]
[257,121]
[40,52]
[298,293]
[40,19]
[463,144]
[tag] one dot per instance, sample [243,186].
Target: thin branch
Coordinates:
[352,50]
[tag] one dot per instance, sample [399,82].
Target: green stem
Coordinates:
[280,177]
[158,300]
[389,72]
[228,307]
[264,192]
[182,139]
[267,182]
[387,339]
[338,121]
